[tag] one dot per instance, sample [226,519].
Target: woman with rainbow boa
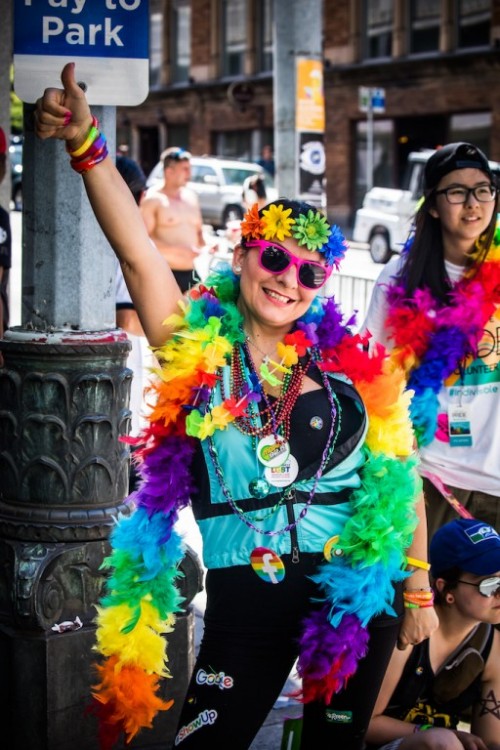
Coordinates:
[295,450]
[437,307]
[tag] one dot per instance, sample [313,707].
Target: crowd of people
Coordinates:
[300,447]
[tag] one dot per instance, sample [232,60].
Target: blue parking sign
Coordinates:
[108,40]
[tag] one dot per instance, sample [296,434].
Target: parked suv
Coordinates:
[219,185]
[384,220]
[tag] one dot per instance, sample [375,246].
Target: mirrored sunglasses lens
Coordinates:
[311,275]
[489,586]
[274,259]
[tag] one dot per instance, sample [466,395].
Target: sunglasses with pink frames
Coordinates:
[277,259]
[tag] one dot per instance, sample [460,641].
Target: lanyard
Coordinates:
[449,496]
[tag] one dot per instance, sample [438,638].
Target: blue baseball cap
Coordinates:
[469,544]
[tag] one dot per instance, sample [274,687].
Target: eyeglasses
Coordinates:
[487,587]
[460,193]
[277,259]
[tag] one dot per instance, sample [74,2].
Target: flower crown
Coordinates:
[311,230]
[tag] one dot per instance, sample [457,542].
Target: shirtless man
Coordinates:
[173,217]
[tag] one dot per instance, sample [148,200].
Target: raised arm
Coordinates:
[65,114]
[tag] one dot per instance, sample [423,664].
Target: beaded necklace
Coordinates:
[288,493]
[433,338]
[275,417]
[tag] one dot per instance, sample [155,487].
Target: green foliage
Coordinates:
[16,114]
[16,107]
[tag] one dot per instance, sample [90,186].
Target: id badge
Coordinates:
[459,428]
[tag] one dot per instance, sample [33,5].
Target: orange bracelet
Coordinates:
[418,598]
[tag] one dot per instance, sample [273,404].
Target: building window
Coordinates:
[178,135]
[474,19]
[474,127]
[382,157]
[425,21]
[264,36]
[180,40]
[155,46]
[379,18]
[234,36]
[235,144]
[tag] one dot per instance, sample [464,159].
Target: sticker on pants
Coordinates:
[334,716]
[205,718]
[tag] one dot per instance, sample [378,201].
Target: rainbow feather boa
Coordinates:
[432,339]
[139,607]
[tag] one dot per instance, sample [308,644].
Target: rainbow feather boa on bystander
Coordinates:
[432,339]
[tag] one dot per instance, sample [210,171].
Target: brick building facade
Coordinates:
[212,83]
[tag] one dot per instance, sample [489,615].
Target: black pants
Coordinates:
[248,649]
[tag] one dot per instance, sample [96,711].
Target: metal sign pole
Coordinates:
[369,141]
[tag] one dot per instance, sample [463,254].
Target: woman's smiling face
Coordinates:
[462,222]
[273,300]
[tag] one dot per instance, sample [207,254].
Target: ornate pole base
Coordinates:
[63,478]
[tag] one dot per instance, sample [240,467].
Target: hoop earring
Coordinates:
[237,269]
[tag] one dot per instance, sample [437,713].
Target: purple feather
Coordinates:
[329,656]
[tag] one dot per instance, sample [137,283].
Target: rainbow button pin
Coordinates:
[267,564]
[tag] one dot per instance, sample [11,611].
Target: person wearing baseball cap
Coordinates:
[5,245]
[455,672]
[452,157]
[436,307]
[467,544]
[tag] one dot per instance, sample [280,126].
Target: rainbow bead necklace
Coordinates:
[288,492]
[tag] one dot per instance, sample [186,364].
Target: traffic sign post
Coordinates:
[108,40]
[370,100]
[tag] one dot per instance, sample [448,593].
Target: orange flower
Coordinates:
[251,226]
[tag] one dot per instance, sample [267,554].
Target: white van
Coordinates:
[384,220]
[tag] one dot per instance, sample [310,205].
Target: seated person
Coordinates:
[428,688]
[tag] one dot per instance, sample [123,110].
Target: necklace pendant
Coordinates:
[259,488]
[273,450]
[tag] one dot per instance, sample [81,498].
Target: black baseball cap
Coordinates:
[466,543]
[453,156]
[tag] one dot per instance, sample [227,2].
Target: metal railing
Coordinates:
[352,293]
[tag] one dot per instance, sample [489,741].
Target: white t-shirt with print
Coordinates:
[476,389]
